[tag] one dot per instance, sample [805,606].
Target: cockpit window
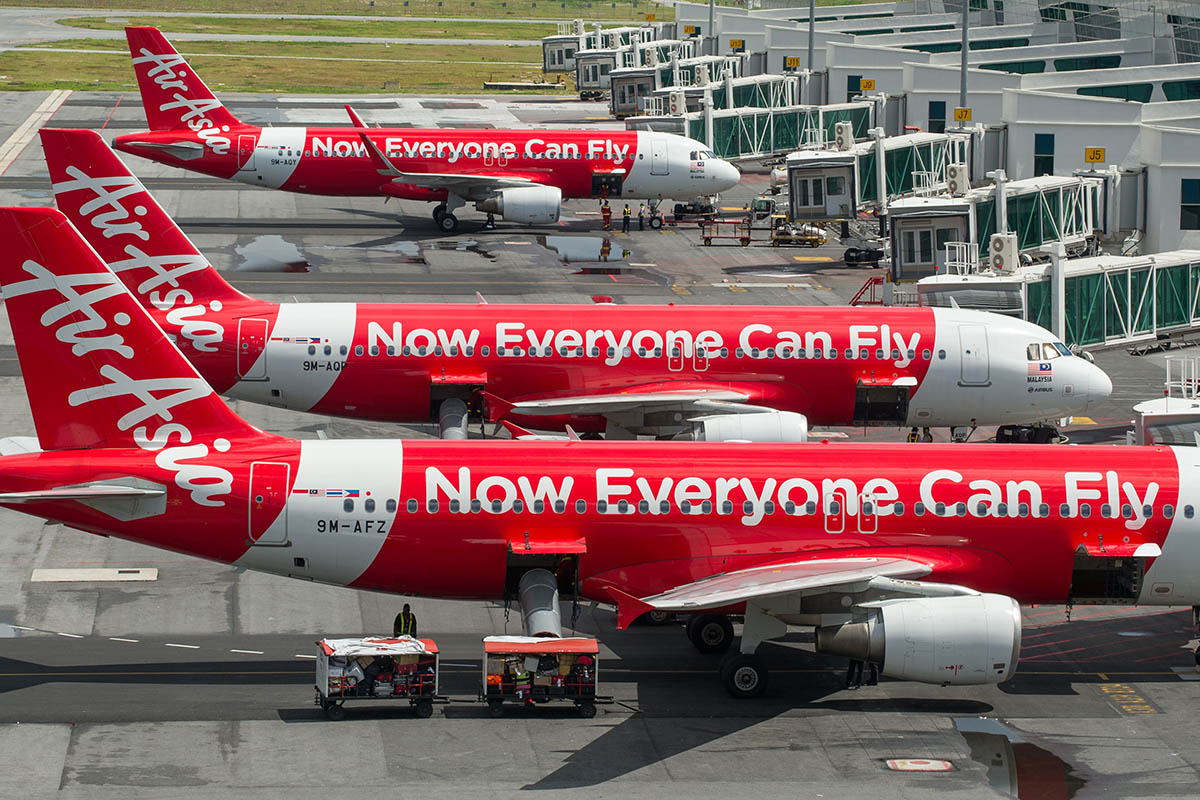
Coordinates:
[1045,351]
[697,155]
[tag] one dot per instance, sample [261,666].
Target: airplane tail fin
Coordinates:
[120,219]
[173,94]
[98,371]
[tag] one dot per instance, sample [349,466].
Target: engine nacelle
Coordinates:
[531,205]
[760,426]
[962,640]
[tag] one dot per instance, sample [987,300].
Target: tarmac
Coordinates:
[199,683]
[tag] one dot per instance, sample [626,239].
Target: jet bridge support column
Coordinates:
[708,118]
[880,169]
[1058,288]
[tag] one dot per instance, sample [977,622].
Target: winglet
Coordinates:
[381,162]
[516,431]
[497,407]
[629,608]
[355,119]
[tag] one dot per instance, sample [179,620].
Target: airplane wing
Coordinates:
[773,580]
[468,185]
[91,492]
[184,151]
[696,399]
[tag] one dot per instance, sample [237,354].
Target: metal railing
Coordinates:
[962,258]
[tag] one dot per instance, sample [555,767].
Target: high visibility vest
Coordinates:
[408,624]
[627,212]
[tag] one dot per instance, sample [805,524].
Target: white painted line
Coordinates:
[518,243]
[1186,673]
[70,635]
[780,285]
[185,646]
[22,628]
[248,652]
[100,575]
[119,639]
[305,655]
[636,264]
[23,135]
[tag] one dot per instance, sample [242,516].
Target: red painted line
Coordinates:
[114,110]
[1052,655]
[1048,644]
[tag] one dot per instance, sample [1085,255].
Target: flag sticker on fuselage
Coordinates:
[328,492]
[1040,367]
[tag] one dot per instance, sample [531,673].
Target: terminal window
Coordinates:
[937,116]
[1043,154]
[853,87]
[1189,210]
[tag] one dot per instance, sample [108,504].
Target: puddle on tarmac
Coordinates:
[583,249]
[270,253]
[1015,766]
[459,245]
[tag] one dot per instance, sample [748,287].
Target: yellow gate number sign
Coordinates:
[649,18]
[737,44]
[689,30]
[1093,155]
[962,115]
[866,84]
[791,62]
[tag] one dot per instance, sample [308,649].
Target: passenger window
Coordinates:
[518,506]
[939,509]
[664,507]
[328,350]
[432,506]
[497,506]
[342,350]
[1023,510]
[705,507]
[622,506]
[1085,510]
[834,507]
[810,508]
[412,506]
[358,349]
[559,506]
[347,504]
[981,509]
[476,506]
[960,509]
[643,507]
[789,507]
[454,506]
[1106,511]
[919,509]
[1064,510]
[312,350]
[1189,511]
[1147,511]
[580,506]
[391,351]
[1002,509]
[868,508]
[926,354]
[686,506]
[1168,511]
[898,509]
[1044,510]
[1127,511]
[390,505]
[374,349]
[768,507]
[539,506]
[369,505]
[485,351]
[941,355]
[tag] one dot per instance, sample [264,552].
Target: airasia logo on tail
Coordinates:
[80,293]
[162,67]
[107,214]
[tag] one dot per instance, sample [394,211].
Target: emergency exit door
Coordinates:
[660,164]
[268,498]
[246,152]
[975,366]
[252,344]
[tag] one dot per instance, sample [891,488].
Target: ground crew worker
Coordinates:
[913,436]
[926,436]
[625,219]
[406,623]
[606,215]
[641,216]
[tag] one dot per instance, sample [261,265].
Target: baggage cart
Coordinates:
[531,670]
[403,669]
[725,229]
[784,233]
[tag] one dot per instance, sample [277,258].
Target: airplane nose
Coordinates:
[1099,385]
[725,175]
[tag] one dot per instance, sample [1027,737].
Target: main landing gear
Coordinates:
[744,675]
[444,219]
[710,633]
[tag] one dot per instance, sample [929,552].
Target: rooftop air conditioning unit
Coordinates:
[677,104]
[843,135]
[579,27]
[1002,252]
[957,181]
[651,57]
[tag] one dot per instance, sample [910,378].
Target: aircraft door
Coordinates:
[660,161]
[268,498]
[246,152]
[252,343]
[675,357]
[700,359]
[835,512]
[868,514]
[975,365]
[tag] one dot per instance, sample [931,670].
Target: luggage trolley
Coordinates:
[528,670]
[377,668]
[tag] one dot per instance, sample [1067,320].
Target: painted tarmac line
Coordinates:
[22,628]
[183,646]
[305,655]
[248,652]
[23,135]
[70,635]
[120,639]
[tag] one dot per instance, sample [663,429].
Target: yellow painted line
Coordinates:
[664,230]
[736,288]
[1082,421]
[1126,699]
[811,258]
[679,290]
[733,208]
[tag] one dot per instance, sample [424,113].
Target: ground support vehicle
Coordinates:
[532,670]
[380,669]
[697,209]
[725,229]
[784,233]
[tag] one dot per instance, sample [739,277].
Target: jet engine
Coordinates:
[531,205]
[759,426]
[961,640]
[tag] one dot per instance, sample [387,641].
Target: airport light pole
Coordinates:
[962,81]
[812,35]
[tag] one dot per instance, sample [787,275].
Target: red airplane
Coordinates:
[740,372]
[521,175]
[914,558]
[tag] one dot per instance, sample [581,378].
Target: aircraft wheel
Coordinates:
[448,223]
[655,223]
[710,633]
[744,676]
[657,617]
[438,211]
